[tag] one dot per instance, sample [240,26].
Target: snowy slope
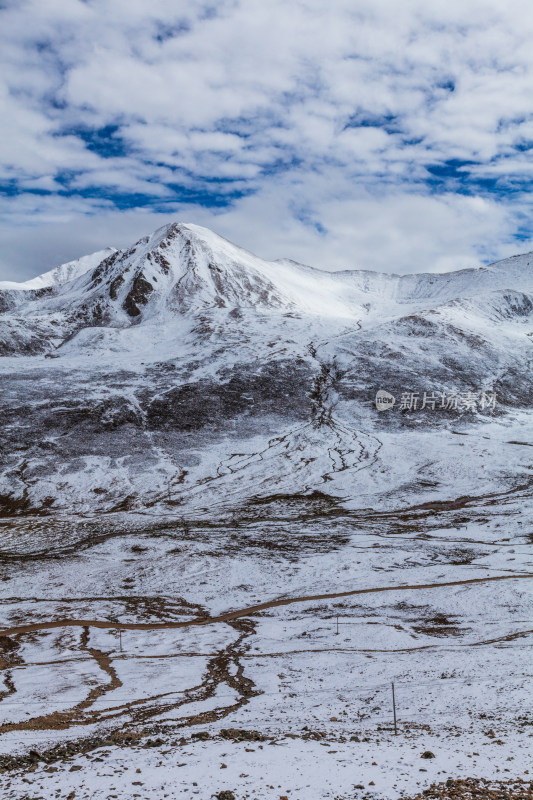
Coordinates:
[187,349]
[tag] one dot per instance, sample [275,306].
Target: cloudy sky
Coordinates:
[357,133]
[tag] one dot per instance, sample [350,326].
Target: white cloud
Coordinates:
[297,215]
[325,117]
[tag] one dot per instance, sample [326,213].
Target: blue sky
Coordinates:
[380,135]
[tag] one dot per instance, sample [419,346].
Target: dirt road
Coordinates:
[244,612]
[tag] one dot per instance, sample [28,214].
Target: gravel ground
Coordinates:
[470,788]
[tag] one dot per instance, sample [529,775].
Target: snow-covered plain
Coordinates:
[191,431]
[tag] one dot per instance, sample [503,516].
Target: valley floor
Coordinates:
[272,701]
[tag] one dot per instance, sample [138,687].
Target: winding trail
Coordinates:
[244,612]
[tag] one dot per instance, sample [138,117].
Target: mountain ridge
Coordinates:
[63,273]
[75,268]
[185,269]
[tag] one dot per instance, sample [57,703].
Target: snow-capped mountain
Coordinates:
[59,275]
[185,371]
[185,269]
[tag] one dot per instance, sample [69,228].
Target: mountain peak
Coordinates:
[183,267]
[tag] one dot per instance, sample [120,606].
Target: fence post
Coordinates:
[394,710]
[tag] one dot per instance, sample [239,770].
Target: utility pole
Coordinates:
[337,631]
[394,710]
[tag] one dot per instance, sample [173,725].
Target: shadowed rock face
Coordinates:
[186,362]
[137,296]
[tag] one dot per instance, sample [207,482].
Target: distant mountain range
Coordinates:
[187,375]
